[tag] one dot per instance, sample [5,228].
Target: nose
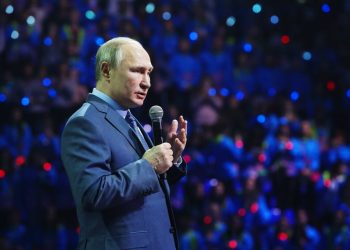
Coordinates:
[146,81]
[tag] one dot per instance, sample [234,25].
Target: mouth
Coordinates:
[141,95]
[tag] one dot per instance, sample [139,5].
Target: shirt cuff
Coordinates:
[178,163]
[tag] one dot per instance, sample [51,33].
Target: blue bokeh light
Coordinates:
[224,92]
[212,92]
[247,47]
[2,97]
[307,55]
[89,14]
[230,21]
[25,101]
[213,182]
[46,82]
[348,93]
[150,7]
[148,128]
[99,41]
[52,92]
[14,34]
[239,95]
[326,8]
[30,20]
[294,95]
[166,15]
[274,19]
[9,9]
[193,36]
[48,41]
[257,8]
[261,118]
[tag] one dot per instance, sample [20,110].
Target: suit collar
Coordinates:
[115,105]
[100,105]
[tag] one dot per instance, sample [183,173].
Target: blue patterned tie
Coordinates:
[133,124]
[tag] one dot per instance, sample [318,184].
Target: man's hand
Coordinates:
[177,137]
[160,157]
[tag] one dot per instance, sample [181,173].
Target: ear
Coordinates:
[106,70]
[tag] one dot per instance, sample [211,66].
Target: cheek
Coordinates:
[129,90]
[133,83]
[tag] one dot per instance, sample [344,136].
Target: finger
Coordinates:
[182,135]
[178,148]
[179,144]
[171,152]
[183,123]
[173,127]
[166,145]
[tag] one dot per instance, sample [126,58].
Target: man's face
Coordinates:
[130,81]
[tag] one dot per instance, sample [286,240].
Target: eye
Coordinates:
[141,70]
[137,70]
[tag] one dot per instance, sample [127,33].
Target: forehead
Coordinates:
[135,55]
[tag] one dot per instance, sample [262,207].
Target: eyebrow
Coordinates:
[143,68]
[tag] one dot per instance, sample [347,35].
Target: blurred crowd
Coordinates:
[265,87]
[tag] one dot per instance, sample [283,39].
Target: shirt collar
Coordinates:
[110,101]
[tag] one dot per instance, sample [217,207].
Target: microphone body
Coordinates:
[157,132]
[156,115]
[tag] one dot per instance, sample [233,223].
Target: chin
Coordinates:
[136,104]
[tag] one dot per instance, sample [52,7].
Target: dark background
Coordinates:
[265,87]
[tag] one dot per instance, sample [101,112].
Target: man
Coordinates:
[113,168]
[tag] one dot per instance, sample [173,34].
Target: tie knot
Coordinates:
[129,116]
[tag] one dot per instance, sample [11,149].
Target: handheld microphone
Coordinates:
[156,115]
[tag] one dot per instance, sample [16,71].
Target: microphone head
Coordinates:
[156,113]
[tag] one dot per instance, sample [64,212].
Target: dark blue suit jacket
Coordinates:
[120,202]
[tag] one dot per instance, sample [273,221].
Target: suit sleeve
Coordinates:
[175,173]
[86,158]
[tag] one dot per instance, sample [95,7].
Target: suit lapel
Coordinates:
[117,121]
[122,126]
